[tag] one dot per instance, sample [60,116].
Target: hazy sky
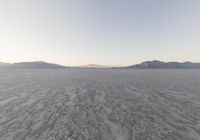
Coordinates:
[109,32]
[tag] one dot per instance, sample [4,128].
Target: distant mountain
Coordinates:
[144,65]
[164,65]
[31,65]
[4,64]
[95,66]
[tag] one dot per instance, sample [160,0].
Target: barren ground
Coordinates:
[99,104]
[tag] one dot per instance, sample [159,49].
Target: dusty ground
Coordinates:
[99,104]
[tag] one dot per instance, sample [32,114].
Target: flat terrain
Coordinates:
[99,104]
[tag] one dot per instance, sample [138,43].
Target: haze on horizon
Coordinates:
[107,32]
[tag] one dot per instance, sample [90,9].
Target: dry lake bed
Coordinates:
[99,104]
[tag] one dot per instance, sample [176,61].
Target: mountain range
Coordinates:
[164,65]
[31,65]
[144,65]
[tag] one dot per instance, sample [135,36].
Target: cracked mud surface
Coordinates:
[89,104]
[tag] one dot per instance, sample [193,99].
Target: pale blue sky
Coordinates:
[109,32]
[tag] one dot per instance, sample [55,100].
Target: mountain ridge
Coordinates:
[32,65]
[156,64]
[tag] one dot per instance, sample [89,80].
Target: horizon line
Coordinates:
[88,64]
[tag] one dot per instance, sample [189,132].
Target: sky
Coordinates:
[106,32]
